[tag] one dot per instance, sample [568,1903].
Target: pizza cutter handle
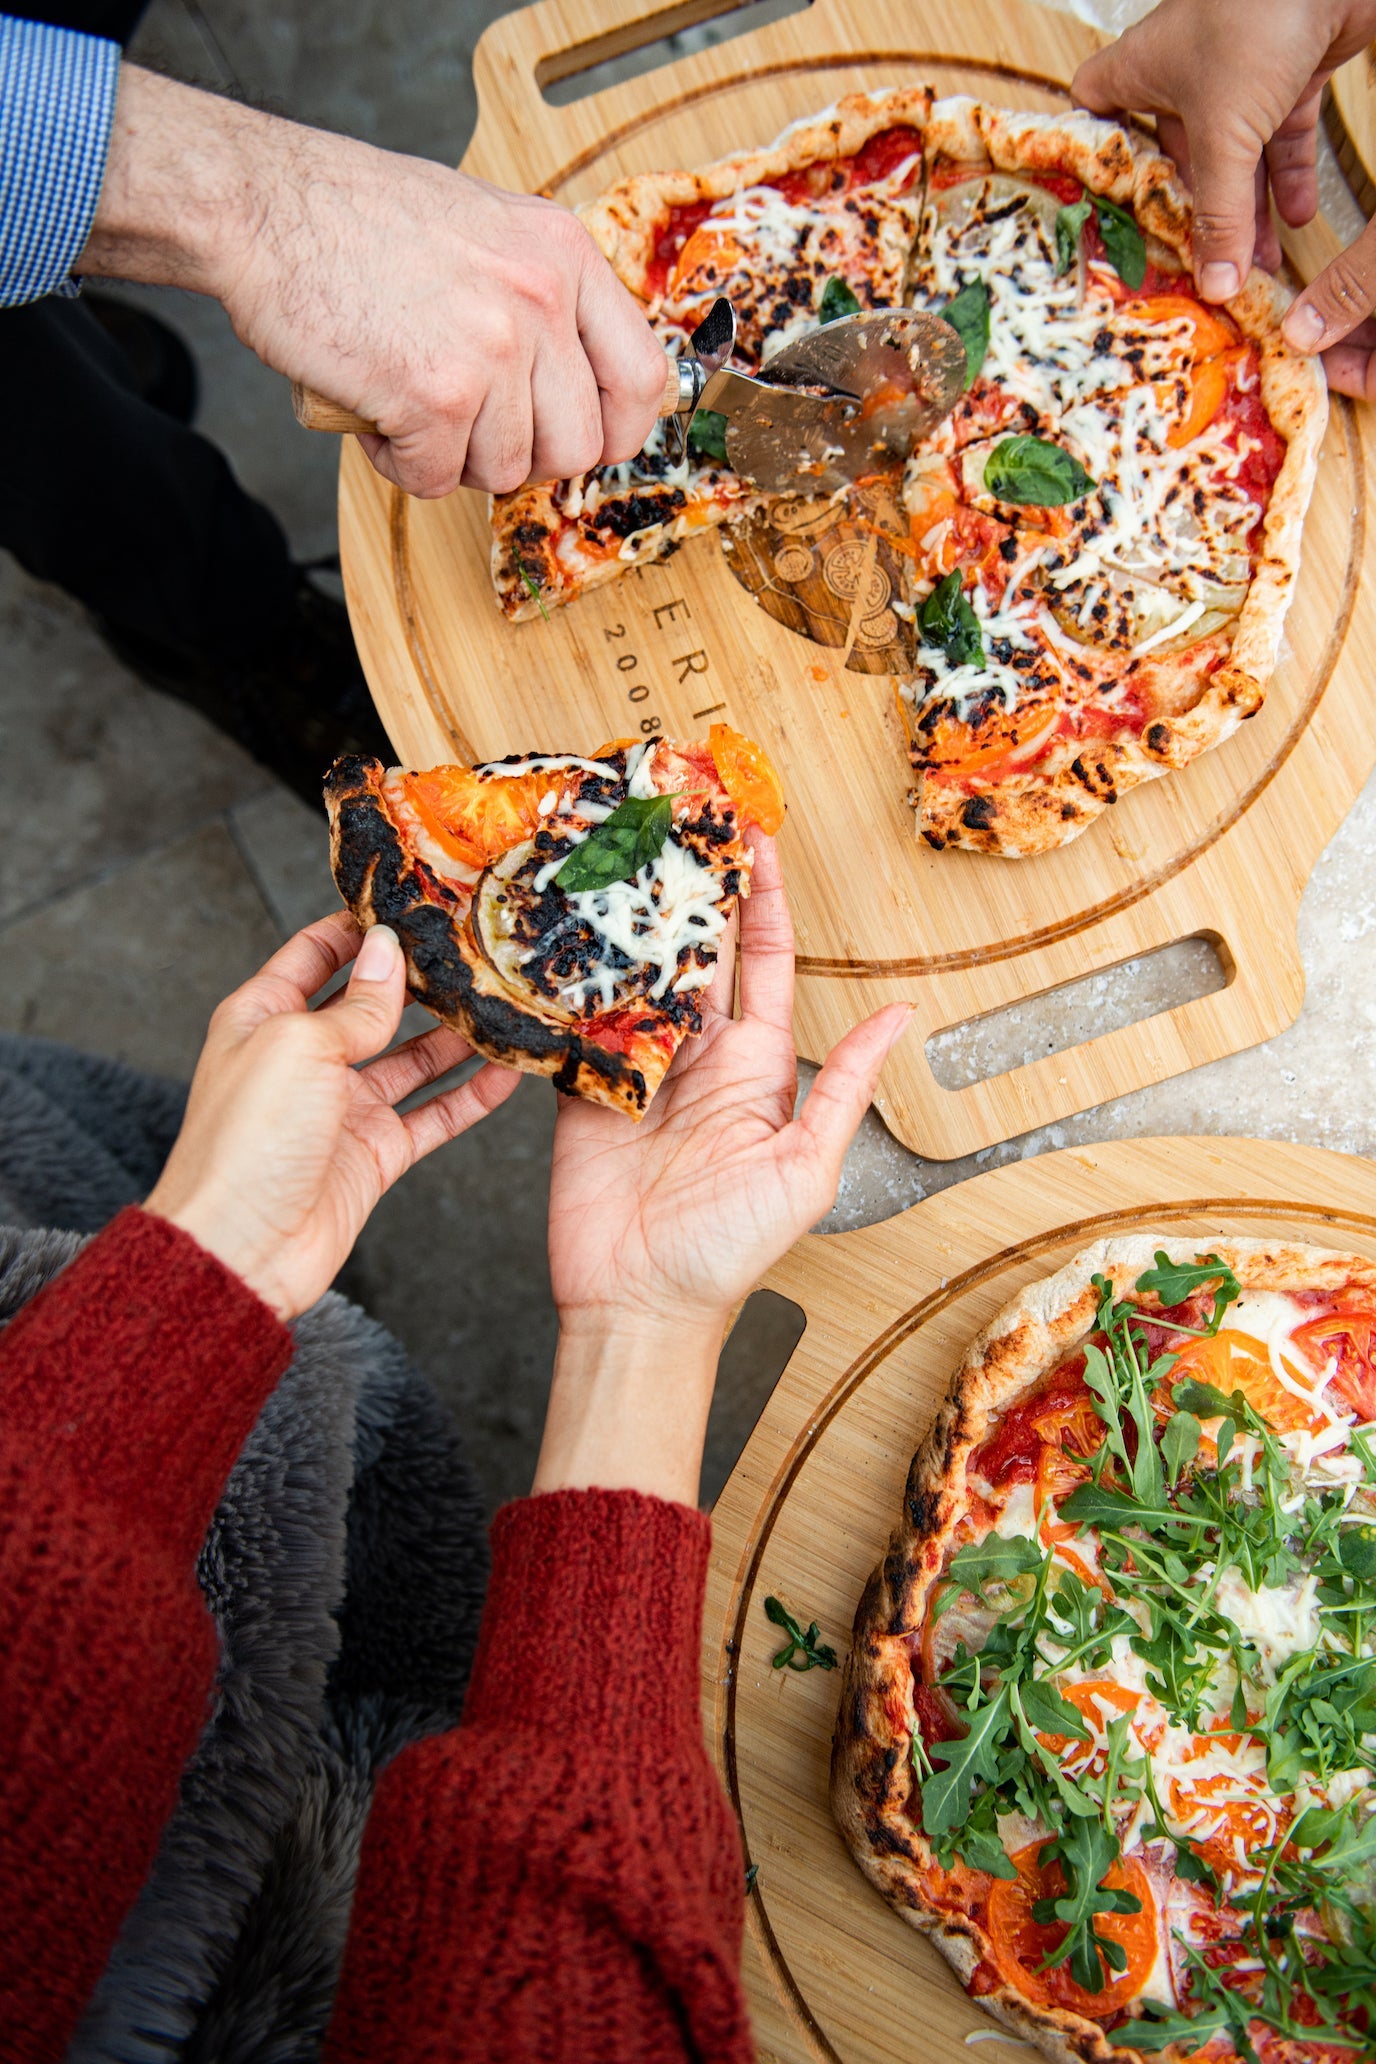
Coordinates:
[682,383]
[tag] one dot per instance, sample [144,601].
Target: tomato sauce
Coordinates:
[621,1031]
[1013,1450]
[875,161]
[1244,415]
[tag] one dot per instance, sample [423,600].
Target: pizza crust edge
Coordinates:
[444,969]
[870,1754]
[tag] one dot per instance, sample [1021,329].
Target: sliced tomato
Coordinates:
[604,752]
[1234,1360]
[748,778]
[1064,1415]
[1213,331]
[477,818]
[1020,1943]
[1090,1698]
[951,755]
[1351,1337]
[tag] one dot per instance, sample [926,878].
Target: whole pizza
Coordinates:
[1108,1728]
[1101,541]
[563,912]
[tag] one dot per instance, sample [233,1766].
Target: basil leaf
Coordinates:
[620,846]
[946,1795]
[1031,471]
[1070,227]
[1179,1444]
[837,300]
[1048,1713]
[1124,244]
[947,620]
[994,1560]
[968,314]
[707,434]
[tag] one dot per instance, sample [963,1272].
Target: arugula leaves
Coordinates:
[968,314]
[616,849]
[1174,1281]
[994,1560]
[1029,470]
[947,620]
[707,435]
[837,300]
[1086,1851]
[1070,225]
[802,1651]
[946,1794]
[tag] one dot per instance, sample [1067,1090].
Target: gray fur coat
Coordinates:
[345,1568]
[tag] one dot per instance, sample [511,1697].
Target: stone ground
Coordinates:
[152,865]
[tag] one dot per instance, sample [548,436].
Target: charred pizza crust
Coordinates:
[383,879]
[1036,811]
[871,1775]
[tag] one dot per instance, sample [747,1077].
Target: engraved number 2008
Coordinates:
[627,663]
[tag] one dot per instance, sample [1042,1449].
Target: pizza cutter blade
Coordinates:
[842,401]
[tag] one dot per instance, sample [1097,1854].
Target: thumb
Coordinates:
[361,1020]
[1337,300]
[844,1089]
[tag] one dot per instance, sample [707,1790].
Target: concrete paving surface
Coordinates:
[151,865]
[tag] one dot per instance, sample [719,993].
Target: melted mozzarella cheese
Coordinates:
[669,906]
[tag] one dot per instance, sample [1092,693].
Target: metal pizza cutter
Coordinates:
[839,402]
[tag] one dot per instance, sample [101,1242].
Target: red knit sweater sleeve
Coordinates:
[559,1878]
[127,1388]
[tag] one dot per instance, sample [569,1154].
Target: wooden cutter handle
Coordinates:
[313,412]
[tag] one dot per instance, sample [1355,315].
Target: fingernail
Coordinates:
[1303,327]
[901,1024]
[377,955]
[1219,281]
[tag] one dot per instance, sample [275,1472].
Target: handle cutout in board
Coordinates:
[651,40]
[759,1347]
[1109,999]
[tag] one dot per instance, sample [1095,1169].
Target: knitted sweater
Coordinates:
[558,1877]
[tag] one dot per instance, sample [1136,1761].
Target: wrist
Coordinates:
[179,201]
[629,1402]
[217,1231]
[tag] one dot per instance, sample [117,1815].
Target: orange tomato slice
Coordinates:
[1234,1360]
[1351,1336]
[477,818]
[954,759]
[1208,388]
[1019,1943]
[614,745]
[748,777]
[1213,332]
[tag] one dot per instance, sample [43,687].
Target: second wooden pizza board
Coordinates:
[1222,851]
[831,1971]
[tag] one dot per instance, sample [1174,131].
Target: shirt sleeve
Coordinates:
[57,103]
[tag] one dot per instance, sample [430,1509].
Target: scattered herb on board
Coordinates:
[801,1651]
[837,300]
[532,589]
[1124,243]
[752,1871]
[1031,471]
[1070,226]
[968,314]
[616,849]
[707,434]
[947,620]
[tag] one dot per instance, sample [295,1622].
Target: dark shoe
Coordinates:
[161,366]
[296,711]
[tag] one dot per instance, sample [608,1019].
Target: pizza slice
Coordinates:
[1108,1725]
[831,210]
[1106,533]
[564,913]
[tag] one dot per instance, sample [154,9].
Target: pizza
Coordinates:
[1101,541]
[563,913]
[1107,1731]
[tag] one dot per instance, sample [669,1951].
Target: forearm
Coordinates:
[559,1879]
[628,1405]
[185,176]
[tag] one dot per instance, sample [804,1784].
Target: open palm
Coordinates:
[684,1212]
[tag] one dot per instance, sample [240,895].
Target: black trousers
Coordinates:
[132,513]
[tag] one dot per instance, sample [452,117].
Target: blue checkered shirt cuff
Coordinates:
[57,102]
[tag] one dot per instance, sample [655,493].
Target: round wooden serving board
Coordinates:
[832,1972]
[1221,851]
